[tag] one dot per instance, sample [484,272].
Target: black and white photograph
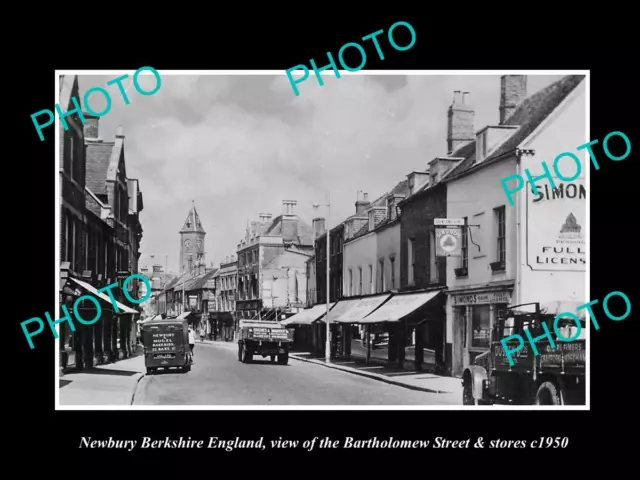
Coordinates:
[387,241]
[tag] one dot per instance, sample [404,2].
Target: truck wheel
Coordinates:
[547,395]
[283,359]
[467,396]
[273,358]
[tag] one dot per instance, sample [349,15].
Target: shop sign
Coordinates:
[556,227]
[481,298]
[449,221]
[448,242]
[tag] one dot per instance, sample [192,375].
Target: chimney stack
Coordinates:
[513,90]
[460,130]
[362,202]
[265,217]
[287,207]
[91,125]
[318,227]
[119,132]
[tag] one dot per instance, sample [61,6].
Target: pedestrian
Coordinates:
[192,340]
[201,334]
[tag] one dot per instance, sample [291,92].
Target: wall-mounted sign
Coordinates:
[448,221]
[481,298]
[556,227]
[448,242]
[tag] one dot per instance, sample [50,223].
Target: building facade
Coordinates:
[508,260]
[224,308]
[271,265]
[99,238]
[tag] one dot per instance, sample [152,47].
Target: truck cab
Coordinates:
[555,376]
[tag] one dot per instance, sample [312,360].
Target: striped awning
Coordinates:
[91,289]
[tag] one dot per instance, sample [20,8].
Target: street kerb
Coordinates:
[373,376]
[135,387]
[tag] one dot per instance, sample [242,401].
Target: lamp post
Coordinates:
[327,348]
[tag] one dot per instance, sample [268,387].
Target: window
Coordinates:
[410,260]
[360,283]
[433,264]
[392,260]
[72,155]
[480,333]
[381,276]
[350,286]
[371,290]
[465,245]
[501,234]
[484,144]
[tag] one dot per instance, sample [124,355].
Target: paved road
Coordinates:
[218,378]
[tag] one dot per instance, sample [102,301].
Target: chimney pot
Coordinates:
[366,197]
[456,96]
[119,131]
[465,97]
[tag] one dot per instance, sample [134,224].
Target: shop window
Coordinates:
[480,324]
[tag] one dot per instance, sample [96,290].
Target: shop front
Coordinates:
[474,312]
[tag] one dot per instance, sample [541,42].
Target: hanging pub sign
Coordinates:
[448,236]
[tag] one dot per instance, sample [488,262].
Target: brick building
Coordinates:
[99,238]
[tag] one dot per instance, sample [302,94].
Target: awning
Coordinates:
[400,306]
[357,310]
[183,315]
[91,289]
[307,316]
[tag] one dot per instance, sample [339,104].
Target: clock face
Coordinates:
[187,243]
[199,243]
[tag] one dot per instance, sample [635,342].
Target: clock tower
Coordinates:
[191,242]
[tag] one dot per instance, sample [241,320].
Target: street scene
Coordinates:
[353,246]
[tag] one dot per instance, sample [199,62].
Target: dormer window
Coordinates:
[391,202]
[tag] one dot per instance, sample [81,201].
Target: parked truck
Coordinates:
[265,338]
[556,376]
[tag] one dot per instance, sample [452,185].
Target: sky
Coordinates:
[238,145]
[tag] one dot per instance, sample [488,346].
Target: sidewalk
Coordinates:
[412,379]
[111,384]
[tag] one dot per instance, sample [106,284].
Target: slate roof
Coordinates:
[305,232]
[192,223]
[529,115]
[401,188]
[200,281]
[98,159]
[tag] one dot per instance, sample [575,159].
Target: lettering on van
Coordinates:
[163,342]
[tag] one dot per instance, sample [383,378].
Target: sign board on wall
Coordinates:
[481,298]
[556,227]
